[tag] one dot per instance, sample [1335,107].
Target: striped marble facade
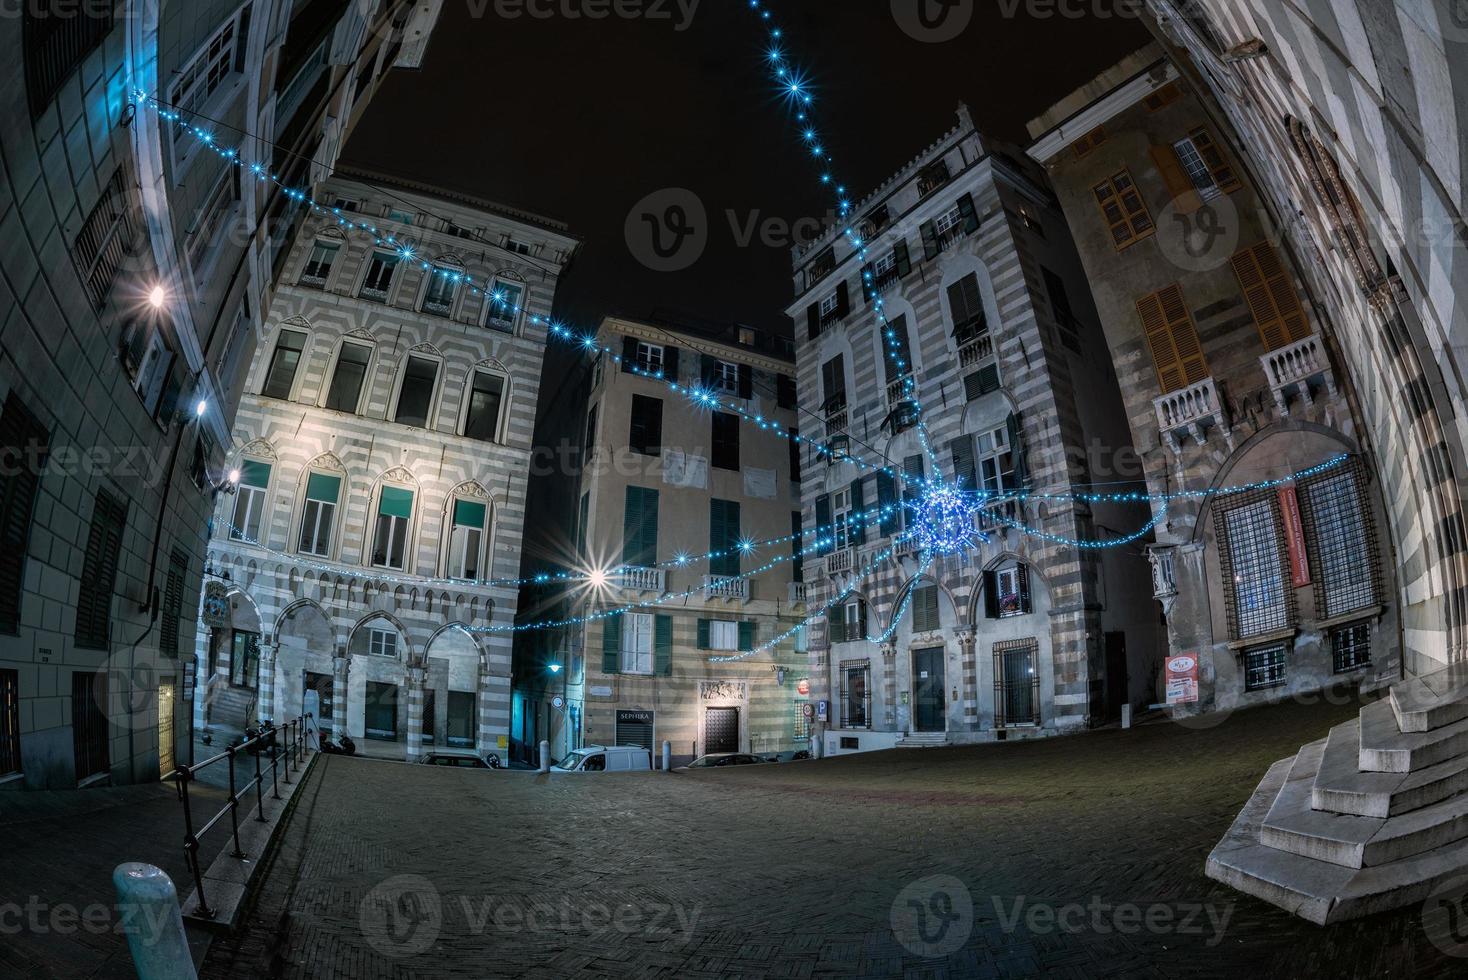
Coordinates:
[1070,417]
[342,594]
[1377,91]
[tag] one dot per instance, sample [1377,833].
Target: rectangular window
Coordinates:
[637,642]
[647,426]
[640,528]
[726,377]
[797,547]
[1177,353]
[800,731]
[723,635]
[89,730]
[249,501]
[843,526]
[1350,647]
[244,659]
[792,440]
[323,491]
[1264,667]
[1341,543]
[724,537]
[649,357]
[1123,209]
[345,393]
[856,696]
[726,441]
[518,247]
[380,270]
[1016,683]
[1012,591]
[204,75]
[1205,166]
[173,589]
[394,511]
[24,444]
[897,349]
[319,263]
[925,609]
[280,377]
[1270,292]
[482,420]
[106,239]
[443,286]
[401,217]
[1089,142]
[966,305]
[504,305]
[415,397]
[9,721]
[996,461]
[1196,170]
[382,643]
[99,573]
[466,539]
[833,385]
[1254,573]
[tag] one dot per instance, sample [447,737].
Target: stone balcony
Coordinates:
[978,349]
[840,562]
[643,580]
[1194,409]
[1295,368]
[799,593]
[728,588]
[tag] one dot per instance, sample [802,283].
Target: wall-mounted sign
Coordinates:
[1294,528]
[823,710]
[216,612]
[600,691]
[558,702]
[809,710]
[191,669]
[1182,678]
[803,687]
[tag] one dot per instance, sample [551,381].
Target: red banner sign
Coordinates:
[1294,528]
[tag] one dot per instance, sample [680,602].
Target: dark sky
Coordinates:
[580,119]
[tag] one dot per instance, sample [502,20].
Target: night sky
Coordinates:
[580,119]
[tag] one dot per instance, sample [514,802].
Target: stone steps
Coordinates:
[1371,817]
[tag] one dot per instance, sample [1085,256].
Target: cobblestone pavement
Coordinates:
[1077,857]
[57,851]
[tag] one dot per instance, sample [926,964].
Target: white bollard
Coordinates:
[667,756]
[544,756]
[148,905]
[1126,716]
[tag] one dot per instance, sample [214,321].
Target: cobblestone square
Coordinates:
[1073,857]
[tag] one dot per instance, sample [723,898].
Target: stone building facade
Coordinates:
[371,540]
[690,511]
[136,271]
[995,349]
[1228,372]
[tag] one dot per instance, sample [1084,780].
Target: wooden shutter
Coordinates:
[903,257]
[703,634]
[858,522]
[178,566]
[962,449]
[662,645]
[813,321]
[746,381]
[629,354]
[991,594]
[1179,185]
[868,282]
[1014,427]
[1270,293]
[1123,209]
[784,391]
[611,644]
[968,213]
[843,300]
[1212,157]
[670,363]
[746,636]
[1176,351]
[981,382]
[708,369]
[925,608]
[23,448]
[887,504]
[1022,572]
[99,573]
[823,524]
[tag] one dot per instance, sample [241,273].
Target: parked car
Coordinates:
[603,758]
[720,759]
[462,759]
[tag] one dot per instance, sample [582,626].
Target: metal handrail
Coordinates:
[291,748]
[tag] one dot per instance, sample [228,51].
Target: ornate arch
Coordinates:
[406,656]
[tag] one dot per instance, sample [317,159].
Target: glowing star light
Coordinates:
[943,520]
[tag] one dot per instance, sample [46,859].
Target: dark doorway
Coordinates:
[430,706]
[1116,675]
[721,730]
[381,711]
[89,695]
[325,710]
[928,701]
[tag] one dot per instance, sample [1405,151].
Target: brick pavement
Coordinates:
[1036,858]
[57,853]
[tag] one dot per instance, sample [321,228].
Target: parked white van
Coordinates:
[602,758]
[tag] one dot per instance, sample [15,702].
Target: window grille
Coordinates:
[1342,541]
[106,239]
[856,697]
[1255,581]
[1016,682]
[1350,647]
[1264,667]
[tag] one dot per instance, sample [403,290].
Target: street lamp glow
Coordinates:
[157,297]
[234,476]
[201,408]
[597,577]
[554,668]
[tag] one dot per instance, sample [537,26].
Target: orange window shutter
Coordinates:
[1111,211]
[1270,293]
[1159,339]
[1179,186]
[1185,341]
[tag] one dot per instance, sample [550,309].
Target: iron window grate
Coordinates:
[1016,682]
[1264,667]
[1260,599]
[1350,647]
[1342,537]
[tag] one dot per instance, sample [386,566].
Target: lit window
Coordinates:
[843,526]
[249,501]
[382,643]
[637,643]
[394,511]
[323,491]
[723,635]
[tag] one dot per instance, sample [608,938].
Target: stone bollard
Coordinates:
[148,906]
[667,756]
[1126,716]
[544,756]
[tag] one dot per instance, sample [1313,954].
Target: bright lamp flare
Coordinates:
[157,297]
[596,578]
[943,520]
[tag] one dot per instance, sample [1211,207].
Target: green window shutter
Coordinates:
[396,502]
[823,524]
[254,473]
[469,513]
[1017,446]
[746,636]
[632,527]
[858,513]
[836,625]
[887,503]
[650,527]
[703,634]
[323,487]
[925,608]
[724,537]
[662,645]
[611,644]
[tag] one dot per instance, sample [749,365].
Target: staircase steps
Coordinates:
[1369,818]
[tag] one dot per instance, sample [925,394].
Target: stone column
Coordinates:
[341,667]
[968,641]
[417,676]
[486,740]
[889,685]
[265,678]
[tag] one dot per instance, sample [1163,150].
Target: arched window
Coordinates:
[441,286]
[415,399]
[393,526]
[319,508]
[468,523]
[281,374]
[349,372]
[251,494]
[504,302]
[486,399]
